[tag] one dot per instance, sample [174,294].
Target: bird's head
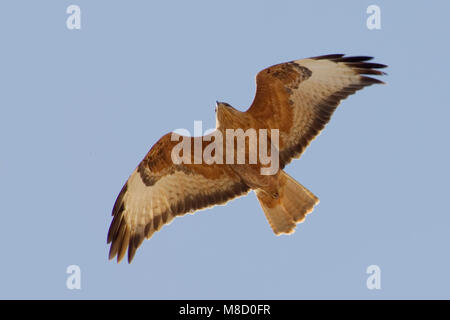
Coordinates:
[224,112]
[222,105]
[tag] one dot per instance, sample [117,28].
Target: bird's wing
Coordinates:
[159,190]
[299,97]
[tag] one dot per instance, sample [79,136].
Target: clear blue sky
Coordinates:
[80,108]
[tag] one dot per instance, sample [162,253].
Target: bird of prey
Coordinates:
[297,98]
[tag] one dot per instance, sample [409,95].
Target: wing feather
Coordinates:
[299,97]
[158,191]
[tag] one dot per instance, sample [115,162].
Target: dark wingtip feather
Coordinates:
[117,211]
[131,252]
[113,250]
[134,243]
[117,227]
[329,56]
[123,244]
[369,81]
[358,63]
[355,59]
[119,200]
[366,65]
[369,71]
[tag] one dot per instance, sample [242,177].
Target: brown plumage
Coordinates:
[297,98]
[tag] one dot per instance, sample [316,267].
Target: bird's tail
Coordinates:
[294,202]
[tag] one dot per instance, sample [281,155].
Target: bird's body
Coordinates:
[293,102]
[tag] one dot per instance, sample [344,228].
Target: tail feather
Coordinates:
[291,207]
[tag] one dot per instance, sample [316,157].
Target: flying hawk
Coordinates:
[297,98]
